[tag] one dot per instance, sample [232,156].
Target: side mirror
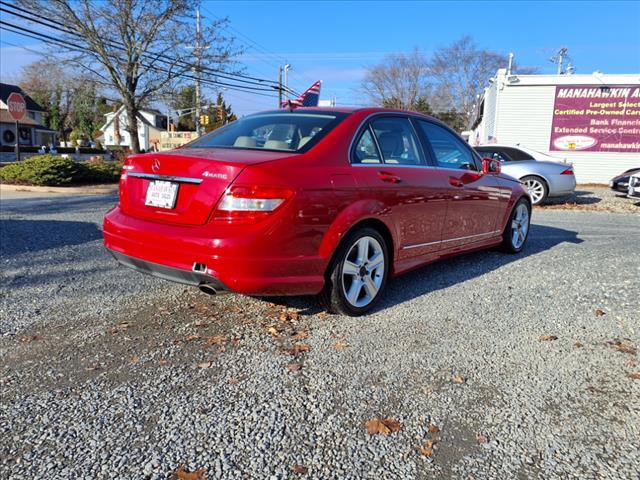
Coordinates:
[490,166]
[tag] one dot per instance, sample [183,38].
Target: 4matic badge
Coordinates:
[221,176]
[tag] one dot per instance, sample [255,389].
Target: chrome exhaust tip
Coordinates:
[207,288]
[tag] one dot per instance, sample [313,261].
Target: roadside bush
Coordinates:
[51,170]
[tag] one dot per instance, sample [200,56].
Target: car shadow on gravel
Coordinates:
[445,273]
[28,236]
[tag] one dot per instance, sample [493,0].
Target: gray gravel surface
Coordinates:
[109,374]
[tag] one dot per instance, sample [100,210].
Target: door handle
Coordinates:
[389,177]
[456,182]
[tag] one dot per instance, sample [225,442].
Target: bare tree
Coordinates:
[51,87]
[399,81]
[460,72]
[135,47]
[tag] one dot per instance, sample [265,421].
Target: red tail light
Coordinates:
[568,171]
[248,203]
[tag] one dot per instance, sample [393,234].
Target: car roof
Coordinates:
[499,145]
[346,109]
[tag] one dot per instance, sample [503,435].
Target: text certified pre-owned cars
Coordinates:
[313,201]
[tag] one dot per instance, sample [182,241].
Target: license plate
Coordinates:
[161,194]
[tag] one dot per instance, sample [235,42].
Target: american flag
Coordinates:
[310,98]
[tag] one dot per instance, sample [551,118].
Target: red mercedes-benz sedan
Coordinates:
[313,201]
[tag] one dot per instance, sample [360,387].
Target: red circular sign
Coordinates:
[17,106]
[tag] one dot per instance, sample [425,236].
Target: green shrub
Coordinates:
[50,170]
[41,170]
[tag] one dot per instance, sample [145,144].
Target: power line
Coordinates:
[62,43]
[55,25]
[258,47]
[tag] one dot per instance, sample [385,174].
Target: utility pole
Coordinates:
[287,67]
[279,86]
[198,53]
[559,58]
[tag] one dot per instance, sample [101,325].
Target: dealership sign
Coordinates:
[596,118]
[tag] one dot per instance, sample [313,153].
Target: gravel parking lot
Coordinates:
[494,366]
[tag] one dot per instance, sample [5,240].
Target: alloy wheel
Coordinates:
[363,271]
[536,190]
[519,226]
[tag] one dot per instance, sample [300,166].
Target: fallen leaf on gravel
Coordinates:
[192,338]
[340,345]
[216,339]
[201,325]
[162,362]
[600,312]
[204,365]
[634,375]
[427,448]
[294,367]
[547,338]
[480,439]
[31,338]
[301,335]
[383,426]
[301,469]
[92,368]
[182,474]
[623,347]
[458,380]
[578,345]
[135,360]
[296,349]
[273,331]
[433,428]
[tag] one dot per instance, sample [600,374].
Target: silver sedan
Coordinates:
[543,177]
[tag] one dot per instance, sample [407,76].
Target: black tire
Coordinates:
[537,181]
[508,244]
[333,297]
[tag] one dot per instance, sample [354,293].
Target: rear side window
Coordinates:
[449,151]
[517,154]
[397,141]
[288,132]
[366,150]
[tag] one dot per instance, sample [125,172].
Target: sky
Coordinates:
[336,41]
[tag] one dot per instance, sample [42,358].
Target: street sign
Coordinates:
[17,106]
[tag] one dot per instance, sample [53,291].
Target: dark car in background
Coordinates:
[620,183]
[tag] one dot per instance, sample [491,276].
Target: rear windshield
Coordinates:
[287,132]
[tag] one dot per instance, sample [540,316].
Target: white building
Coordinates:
[592,121]
[151,123]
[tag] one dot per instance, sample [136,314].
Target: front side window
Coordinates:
[449,151]
[288,132]
[495,155]
[397,142]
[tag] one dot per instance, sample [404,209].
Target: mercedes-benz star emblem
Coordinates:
[155,165]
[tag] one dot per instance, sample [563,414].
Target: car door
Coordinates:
[395,171]
[474,202]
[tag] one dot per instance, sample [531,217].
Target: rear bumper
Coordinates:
[167,273]
[251,261]
[561,185]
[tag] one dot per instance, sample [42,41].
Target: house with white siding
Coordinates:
[31,131]
[589,120]
[151,123]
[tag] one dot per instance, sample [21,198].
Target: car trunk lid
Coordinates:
[201,177]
